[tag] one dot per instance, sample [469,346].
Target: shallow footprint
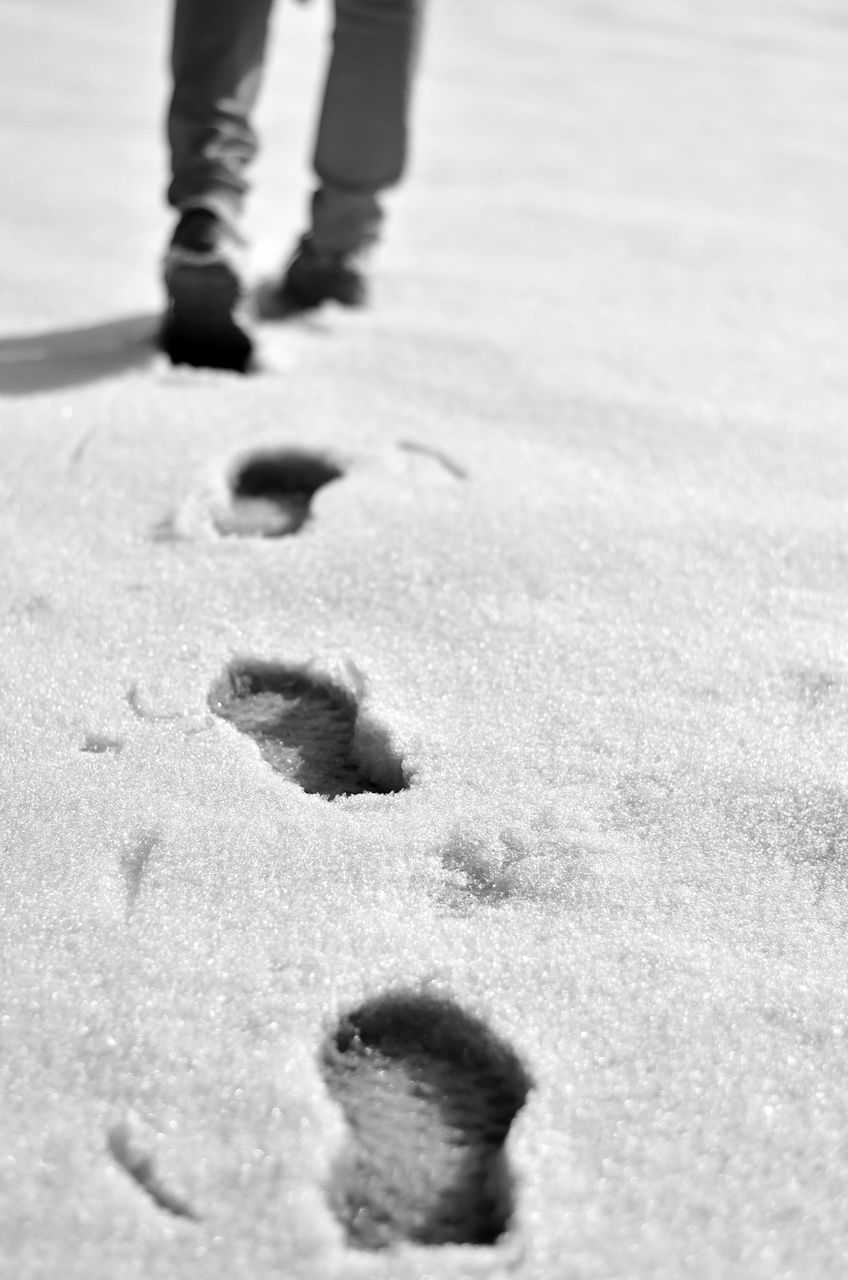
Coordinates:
[132,1145]
[271,493]
[305,730]
[429,1094]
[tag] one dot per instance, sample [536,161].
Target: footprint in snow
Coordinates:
[132,1145]
[270,493]
[307,729]
[429,1094]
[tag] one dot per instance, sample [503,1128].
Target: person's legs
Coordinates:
[361,147]
[217,55]
[360,151]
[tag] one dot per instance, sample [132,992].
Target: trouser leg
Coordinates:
[361,147]
[217,56]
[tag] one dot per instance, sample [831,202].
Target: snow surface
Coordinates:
[587,572]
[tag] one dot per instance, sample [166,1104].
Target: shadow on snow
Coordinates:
[68,357]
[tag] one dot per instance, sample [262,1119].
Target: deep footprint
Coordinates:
[305,730]
[429,1094]
[271,494]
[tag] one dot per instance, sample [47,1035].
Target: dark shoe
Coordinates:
[206,324]
[313,277]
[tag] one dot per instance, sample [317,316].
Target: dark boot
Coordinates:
[207,323]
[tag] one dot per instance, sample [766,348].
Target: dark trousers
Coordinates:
[217,58]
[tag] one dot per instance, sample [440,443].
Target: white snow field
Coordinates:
[581,581]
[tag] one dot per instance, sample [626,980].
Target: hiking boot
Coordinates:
[314,276]
[206,324]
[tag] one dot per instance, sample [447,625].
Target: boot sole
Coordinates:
[206,325]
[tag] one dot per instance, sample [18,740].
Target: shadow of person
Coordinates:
[68,357]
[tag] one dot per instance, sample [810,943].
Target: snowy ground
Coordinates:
[585,573]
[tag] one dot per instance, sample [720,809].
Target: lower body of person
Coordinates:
[218,52]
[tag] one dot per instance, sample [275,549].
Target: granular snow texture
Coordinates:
[537,966]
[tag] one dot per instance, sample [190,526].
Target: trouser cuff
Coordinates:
[344,221]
